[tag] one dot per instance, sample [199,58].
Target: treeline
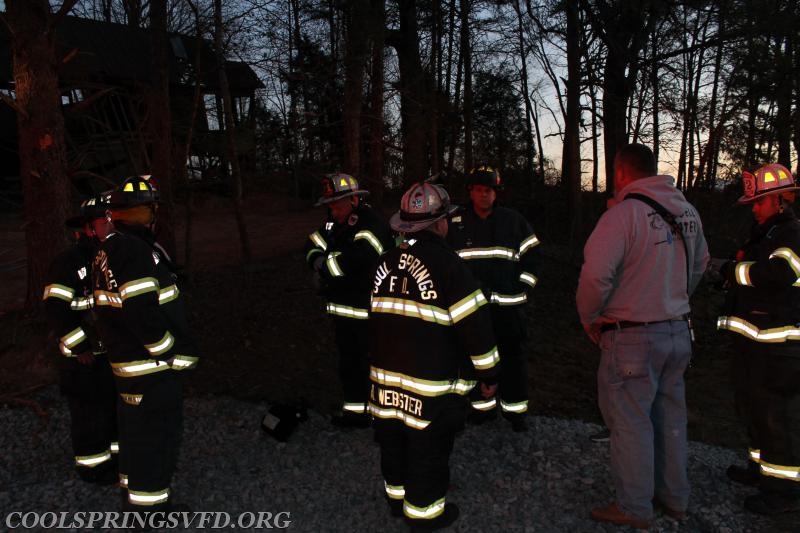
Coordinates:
[396,91]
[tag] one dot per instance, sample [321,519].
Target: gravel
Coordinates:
[545,480]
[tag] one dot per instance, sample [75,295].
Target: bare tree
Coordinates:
[230,132]
[356,40]
[40,125]
[160,124]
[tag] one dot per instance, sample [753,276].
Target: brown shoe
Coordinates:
[678,516]
[614,515]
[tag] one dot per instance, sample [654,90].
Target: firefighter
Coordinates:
[84,372]
[763,310]
[342,254]
[499,247]
[144,324]
[431,340]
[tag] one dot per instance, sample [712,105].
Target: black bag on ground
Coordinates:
[281,420]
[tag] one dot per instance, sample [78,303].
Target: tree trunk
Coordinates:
[466,57]
[230,133]
[355,56]
[783,97]
[412,95]
[40,125]
[571,152]
[376,103]
[161,126]
[526,97]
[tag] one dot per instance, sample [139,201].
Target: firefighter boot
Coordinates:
[348,419]
[746,476]
[518,423]
[448,516]
[772,503]
[476,417]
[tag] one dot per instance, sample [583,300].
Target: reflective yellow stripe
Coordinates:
[794,261]
[410,308]
[359,408]
[518,407]
[62,292]
[485,405]
[138,368]
[312,252]
[137,497]
[132,399]
[755,455]
[184,362]
[410,421]
[742,272]
[347,311]
[73,338]
[528,243]
[107,298]
[168,294]
[743,327]
[93,460]
[318,241]
[114,447]
[81,304]
[162,346]
[123,481]
[371,238]
[528,278]
[137,287]
[466,306]
[426,513]
[423,387]
[333,265]
[780,471]
[394,492]
[496,252]
[508,299]
[486,360]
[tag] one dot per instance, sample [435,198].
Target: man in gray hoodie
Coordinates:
[641,263]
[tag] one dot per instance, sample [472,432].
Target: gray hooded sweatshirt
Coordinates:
[634,267]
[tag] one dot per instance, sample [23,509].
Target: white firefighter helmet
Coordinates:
[421,205]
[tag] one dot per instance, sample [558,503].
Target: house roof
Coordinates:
[104,52]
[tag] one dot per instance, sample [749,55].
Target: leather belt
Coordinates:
[622,324]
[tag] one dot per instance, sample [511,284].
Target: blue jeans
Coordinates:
[643,402]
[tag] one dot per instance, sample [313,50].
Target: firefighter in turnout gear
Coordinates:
[431,340]
[84,372]
[763,310]
[142,319]
[343,254]
[499,247]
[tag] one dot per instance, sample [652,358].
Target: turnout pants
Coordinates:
[509,330]
[352,341]
[415,462]
[91,398]
[151,424]
[777,417]
[747,369]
